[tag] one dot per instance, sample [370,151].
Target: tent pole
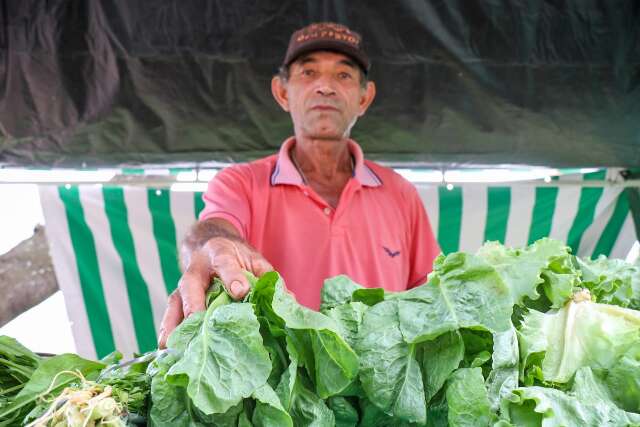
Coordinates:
[634,206]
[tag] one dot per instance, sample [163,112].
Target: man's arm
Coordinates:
[201,233]
[213,248]
[424,246]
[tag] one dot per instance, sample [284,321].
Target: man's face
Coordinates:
[324,95]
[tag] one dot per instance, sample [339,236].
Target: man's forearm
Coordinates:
[202,232]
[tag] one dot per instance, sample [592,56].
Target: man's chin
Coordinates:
[327,134]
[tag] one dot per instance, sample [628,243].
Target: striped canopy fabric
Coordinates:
[115,249]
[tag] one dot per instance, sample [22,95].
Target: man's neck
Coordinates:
[321,159]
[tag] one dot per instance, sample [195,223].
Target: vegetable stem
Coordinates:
[219,301]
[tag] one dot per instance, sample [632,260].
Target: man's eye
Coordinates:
[308,72]
[344,75]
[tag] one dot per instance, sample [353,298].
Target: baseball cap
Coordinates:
[327,36]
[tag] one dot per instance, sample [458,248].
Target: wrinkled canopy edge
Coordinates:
[108,84]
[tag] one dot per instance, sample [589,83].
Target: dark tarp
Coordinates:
[553,83]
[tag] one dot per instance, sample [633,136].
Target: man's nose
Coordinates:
[325,87]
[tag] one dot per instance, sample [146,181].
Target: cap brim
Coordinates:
[328,45]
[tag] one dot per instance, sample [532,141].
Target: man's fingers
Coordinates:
[192,290]
[172,317]
[235,282]
[230,259]
[259,265]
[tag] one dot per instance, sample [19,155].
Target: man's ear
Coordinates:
[368,94]
[279,92]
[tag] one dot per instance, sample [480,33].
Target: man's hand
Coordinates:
[222,257]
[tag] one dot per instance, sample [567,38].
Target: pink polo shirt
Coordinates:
[379,235]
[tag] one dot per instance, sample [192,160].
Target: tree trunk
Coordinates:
[26,276]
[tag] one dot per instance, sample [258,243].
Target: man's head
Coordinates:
[323,81]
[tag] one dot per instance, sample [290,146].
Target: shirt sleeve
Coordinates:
[424,246]
[228,197]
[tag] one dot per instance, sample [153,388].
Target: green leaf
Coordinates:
[439,358]
[294,315]
[612,281]
[337,291]
[269,411]
[464,292]
[369,296]
[587,405]
[546,261]
[261,297]
[390,374]
[372,416]
[467,399]
[51,376]
[130,382]
[335,363]
[186,331]
[503,378]
[243,420]
[304,406]
[307,409]
[11,349]
[330,361]
[346,415]
[111,358]
[170,406]
[579,334]
[278,356]
[54,368]
[215,289]
[348,318]
[17,364]
[438,410]
[623,380]
[285,388]
[225,362]
[561,280]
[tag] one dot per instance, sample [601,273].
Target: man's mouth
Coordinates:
[324,108]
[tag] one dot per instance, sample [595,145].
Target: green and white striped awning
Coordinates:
[115,252]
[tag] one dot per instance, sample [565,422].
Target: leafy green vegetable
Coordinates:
[623,380]
[129,383]
[372,416]
[586,405]
[345,413]
[186,331]
[467,399]
[337,291]
[51,376]
[547,262]
[439,358]
[390,373]
[464,292]
[269,411]
[225,362]
[17,364]
[304,406]
[348,318]
[170,404]
[503,378]
[580,334]
[505,337]
[329,360]
[612,281]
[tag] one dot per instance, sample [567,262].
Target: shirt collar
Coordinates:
[285,171]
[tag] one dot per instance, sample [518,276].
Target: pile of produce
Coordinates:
[504,337]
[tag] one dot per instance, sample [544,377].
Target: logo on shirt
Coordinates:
[391,253]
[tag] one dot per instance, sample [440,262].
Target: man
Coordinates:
[317,209]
